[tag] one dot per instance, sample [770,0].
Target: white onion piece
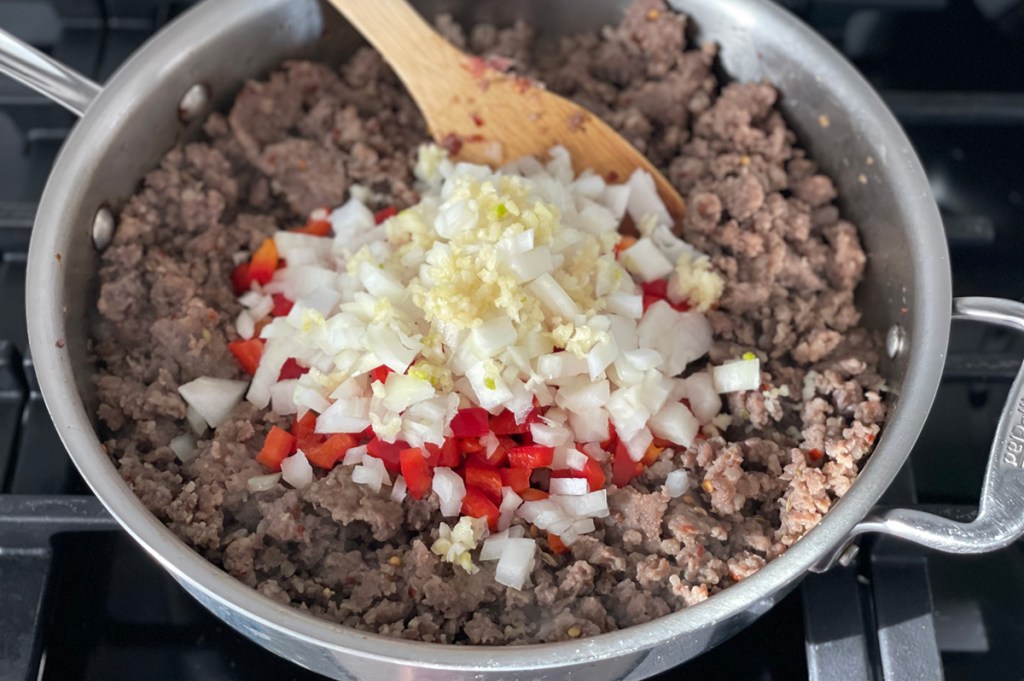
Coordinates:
[601,356]
[184,447]
[450,489]
[550,434]
[370,476]
[644,200]
[354,455]
[307,398]
[675,423]
[494,544]
[629,305]
[195,421]
[531,264]
[676,483]
[282,397]
[596,452]
[516,562]
[289,244]
[213,398]
[493,336]
[645,261]
[399,491]
[590,425]
[401,391]
[245,325]
[680,337]
[616,198]
[551,294]
[296,470]
[510,503]
[346,415]
[575,459]
[542,513]
[571,486]
[637,444]
[350,220]
[590,505]
[743,374]
[705,402]
[560,365]
[261,483]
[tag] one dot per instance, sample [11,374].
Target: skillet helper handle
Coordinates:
[48,77]
[1000,519]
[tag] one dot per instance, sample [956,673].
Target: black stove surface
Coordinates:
[91,605]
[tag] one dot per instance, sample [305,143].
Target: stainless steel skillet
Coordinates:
[197,63]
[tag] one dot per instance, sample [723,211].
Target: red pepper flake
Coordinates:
[291,369]
[282,306]
[476,66]
[556,544]
[452,143]
[576,121]
[815,454]
[870,437]
[384,213]
[477,121]
[612,176]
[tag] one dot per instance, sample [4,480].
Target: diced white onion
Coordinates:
[354,455]
[645,261]
[368,475]
[675,423]
[450,489]
[743,374]
[589,505]
[575,459]
[677,483]
[399,491]
[571,486]
[245,325]
[282,397]
[637,444]
[346,415]
[510,502]
[184,447]
[516,562]
[213,398]
[596,452]
[195,421]
[261,483]
[296,470]
[644,200]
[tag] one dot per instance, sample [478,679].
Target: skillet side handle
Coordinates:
[1000,519]
[48,77]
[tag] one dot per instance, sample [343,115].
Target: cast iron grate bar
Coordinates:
[27,525]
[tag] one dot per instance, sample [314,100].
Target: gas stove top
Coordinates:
[79,600]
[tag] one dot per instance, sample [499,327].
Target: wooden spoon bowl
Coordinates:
[484,114]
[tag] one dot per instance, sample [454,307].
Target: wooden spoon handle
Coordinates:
[425,62]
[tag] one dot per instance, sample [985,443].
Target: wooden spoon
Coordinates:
[484,115]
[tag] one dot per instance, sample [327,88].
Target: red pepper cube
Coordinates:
[264,262]
[282,306]
[470,422]
[291,369]
[304,430]
[314,228]
[476,505]
[556,545]
[380,373]
[624,468]
[470,445]
[388,452]
[248,353]
[594,474]
[241,280]
[531,456]
[505,423]
[331,451]
[531,494]
[384,213]
[516,478]
[278,446]
[486,478]
[416,471]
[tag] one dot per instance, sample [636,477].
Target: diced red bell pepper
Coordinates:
[331,451]
[388,452]
[624,468]
[314,228]
[471,422]
[304,430]
[248,353]
[487,479]
[516,478]
[505,423]
[470,445]
[278,446]
[264,262]
[384,213]
[625,242]
[531,494]
[380,373]
[531,456]
[499,457]
[556,545]
[594,474]
[476,505]
[291,369]
[241,280]
[657,288]
[652,454]
[445,456]
[282,306]
[416,471]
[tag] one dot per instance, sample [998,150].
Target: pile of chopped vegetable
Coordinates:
[500,344]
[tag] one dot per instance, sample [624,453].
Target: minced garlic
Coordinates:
[454,544]
[696,281]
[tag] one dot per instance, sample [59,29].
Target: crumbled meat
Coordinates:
[299,140]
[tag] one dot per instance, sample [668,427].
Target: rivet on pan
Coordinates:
[894,340]
[102,228]
[193,102]
[848,554]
